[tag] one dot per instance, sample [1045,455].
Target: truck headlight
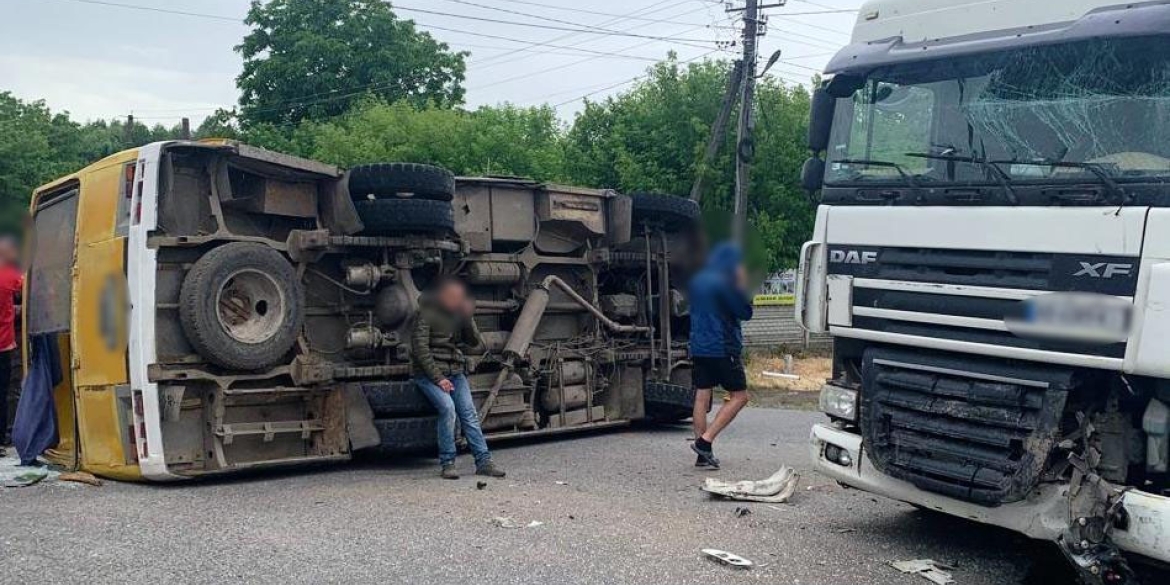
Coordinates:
[839,402]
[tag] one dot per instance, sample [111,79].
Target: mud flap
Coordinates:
[359,420]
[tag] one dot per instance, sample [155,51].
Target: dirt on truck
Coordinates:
[220,307]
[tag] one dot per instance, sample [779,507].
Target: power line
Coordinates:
[550,19]
[569,9]
[621,83]
[831,9]
[602,32]
[235,19]
[647,10]
[555,68]
[531,44]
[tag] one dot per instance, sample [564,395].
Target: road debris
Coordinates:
[506,522]
[727,559]
[740,512]
[774,490]
[26,478]
[780,375]
[562,483]
[81,477]
[479,485]
[13,474]
[844,530]
[928,569]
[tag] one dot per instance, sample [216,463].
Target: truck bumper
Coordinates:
[1043,515]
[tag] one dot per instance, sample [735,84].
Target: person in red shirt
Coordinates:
[11,283]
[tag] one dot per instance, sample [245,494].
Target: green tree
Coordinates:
[314,59]
[503,140]
[38,146]
[652,138]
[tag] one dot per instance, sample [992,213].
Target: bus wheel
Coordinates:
[241,306]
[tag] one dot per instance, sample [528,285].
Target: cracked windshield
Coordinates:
[1066,112]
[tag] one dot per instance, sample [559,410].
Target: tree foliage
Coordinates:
[649,138]
[503,140]
[37,146]
[652,138]
[313,59]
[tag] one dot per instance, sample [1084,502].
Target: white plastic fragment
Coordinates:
[728,559]
[927,569]
[777,489]
[780,375]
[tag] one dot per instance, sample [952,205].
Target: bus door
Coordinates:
[48,306]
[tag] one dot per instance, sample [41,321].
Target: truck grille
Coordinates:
[971,429]
[966,295]
[998,269]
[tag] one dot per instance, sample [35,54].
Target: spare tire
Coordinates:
[242,306]
[388,398]
[404,435]
[670,211]
[409,180]
[385,217]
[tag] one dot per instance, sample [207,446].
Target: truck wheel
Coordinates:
[670,211]
[401,180]
[241,306]
[385,217]
[395,398]
[407,434]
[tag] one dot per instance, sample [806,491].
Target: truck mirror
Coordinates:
[821,121]
[812,174]
[844,85]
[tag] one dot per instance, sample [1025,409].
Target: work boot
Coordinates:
[706,452]
[489,469]
[448,472]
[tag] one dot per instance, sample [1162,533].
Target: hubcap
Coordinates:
[250,306]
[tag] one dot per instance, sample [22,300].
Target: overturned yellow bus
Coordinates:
[220,307]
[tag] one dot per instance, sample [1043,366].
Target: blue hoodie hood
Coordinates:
[724,259]
[718,306]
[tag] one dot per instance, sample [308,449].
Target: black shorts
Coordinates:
[726,372]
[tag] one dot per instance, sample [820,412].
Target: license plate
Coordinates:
[1079,317]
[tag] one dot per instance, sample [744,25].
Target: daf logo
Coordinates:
[1104,270]
[852,257]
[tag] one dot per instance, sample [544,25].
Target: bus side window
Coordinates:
[125,200]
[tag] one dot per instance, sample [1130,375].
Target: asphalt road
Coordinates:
[629,512]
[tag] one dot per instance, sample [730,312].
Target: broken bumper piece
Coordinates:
[1043,515]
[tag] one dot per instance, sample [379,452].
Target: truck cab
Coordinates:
[990,257]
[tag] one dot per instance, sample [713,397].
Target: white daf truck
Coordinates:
[992,257]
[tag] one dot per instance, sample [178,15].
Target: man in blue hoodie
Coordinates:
[719,304]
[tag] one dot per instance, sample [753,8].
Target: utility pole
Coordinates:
[719,128]
[128,131]
[745,145]
[745,148]
[185,132]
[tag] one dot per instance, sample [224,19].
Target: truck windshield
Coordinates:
[1086,109]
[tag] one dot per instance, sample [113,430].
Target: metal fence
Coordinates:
[773,325]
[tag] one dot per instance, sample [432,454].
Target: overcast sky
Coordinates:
[99,60]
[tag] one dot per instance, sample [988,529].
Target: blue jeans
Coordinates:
[452,405]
